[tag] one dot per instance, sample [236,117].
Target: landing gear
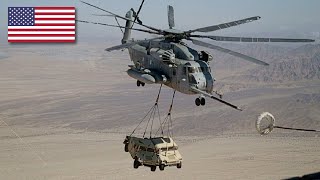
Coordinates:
[200,101]
[140,83]
[203,101]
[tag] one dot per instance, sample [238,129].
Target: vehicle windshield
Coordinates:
[172,148]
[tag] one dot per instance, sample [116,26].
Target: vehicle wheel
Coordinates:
[161,167]
[153,168]
[138,83]
[179,165]
[142,84]
[203,101]
[126,148]
[136,164]
[198,102]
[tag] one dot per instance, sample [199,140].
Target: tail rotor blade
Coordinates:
[171,17]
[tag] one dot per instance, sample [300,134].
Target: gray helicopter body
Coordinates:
[168,60]
[171,63]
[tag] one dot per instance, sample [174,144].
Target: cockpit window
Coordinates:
[198,69]
[192,69]
[192,80]
[205,69]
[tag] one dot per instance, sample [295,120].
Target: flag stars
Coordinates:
[21,16]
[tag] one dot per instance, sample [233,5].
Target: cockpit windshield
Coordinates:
[192,69]
[198,69]
[205,69]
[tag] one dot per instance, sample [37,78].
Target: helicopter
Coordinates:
[168,60]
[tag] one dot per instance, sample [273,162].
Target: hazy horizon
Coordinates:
[288,18]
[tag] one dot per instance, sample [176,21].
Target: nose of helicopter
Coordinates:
[204,81]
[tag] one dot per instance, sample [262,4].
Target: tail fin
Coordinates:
[127,32]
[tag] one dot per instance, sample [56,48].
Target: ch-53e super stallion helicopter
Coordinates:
[168,60]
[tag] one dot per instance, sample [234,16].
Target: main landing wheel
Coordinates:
[202,101]
[140,83]
[198,101]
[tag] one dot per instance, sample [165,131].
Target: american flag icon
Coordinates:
[41,24]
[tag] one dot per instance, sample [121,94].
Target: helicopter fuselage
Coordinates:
[173,64]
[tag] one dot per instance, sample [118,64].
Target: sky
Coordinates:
[279,17]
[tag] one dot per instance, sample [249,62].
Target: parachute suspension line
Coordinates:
[266,123]
[151,113]
[297,129]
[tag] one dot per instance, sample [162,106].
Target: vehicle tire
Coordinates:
[153,168]
[203,101]
[198,102]
[126,148]
[161,167]
[138,83]
[136,164]
[142,84]
[179,165]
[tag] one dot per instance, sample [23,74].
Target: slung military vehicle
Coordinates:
[153,152]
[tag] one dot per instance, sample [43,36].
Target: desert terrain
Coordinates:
[65,111]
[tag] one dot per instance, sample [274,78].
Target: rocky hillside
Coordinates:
[302,63]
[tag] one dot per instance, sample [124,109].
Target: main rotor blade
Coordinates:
[121,17]
[110,25]
[109,15]
[228,51]
[137,15]
[250,39]
[171,17]
[225,25]
[127,45]
[215,98]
